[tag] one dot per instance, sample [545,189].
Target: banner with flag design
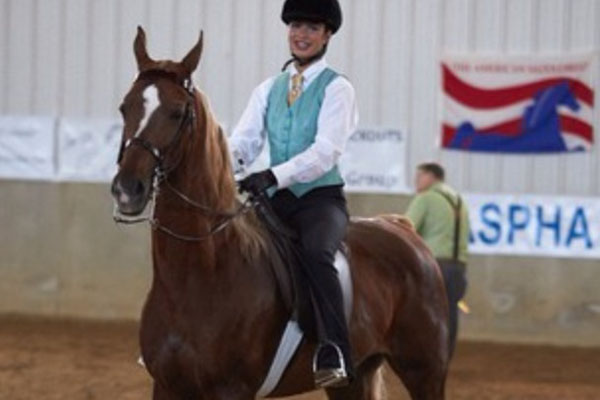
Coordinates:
[540,104]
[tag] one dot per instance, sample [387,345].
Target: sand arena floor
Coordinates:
[52,360]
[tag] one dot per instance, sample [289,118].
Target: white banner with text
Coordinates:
[374,162]
[27,147]
[88,149]
[528,225]
[85,150]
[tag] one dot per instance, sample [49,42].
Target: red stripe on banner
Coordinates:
[577,127]
[568,124]
[477,97]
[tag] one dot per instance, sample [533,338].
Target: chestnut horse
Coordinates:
[215,312]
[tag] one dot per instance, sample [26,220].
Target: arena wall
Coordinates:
[63,256]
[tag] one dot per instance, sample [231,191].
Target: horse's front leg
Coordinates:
[159,393]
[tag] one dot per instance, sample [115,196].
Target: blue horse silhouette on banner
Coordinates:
[540,129]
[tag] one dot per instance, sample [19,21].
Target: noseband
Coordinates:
[161,174]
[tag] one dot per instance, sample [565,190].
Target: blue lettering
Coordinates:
[516,223]
[579,228]
[490,216]
[553,224]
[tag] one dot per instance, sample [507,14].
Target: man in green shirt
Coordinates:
[441,219]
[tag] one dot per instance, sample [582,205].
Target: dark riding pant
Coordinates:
[455,280]
[320,218]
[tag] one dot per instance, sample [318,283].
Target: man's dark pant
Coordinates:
[320,218]
[455,280]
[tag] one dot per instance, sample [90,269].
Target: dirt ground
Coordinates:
[48,359]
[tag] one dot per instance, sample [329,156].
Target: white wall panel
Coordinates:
[102,51]
[47,57]
[217,64]
[75,64]
[4,48]
[74,57]
[246,53]
[21,52]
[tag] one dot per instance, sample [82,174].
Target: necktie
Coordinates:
[296,89]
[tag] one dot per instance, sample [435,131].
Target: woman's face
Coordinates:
[307,38]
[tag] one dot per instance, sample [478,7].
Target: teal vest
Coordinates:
[292,130]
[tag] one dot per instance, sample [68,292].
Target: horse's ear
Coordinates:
[191,60]
[139,48]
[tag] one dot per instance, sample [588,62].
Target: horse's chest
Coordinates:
[168,356]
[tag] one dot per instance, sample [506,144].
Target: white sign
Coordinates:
[535,225]
[27,147]
[374,162]
[88,149]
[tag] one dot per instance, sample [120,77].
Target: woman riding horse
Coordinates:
[219,302]
[308,112]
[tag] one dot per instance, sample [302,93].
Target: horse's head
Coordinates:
[158,111]
[568,99]
[546,103]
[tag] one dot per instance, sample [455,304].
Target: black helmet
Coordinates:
[327,11]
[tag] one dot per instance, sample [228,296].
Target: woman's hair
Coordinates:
[434,169]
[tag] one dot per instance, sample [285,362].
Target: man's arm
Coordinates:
[416,212]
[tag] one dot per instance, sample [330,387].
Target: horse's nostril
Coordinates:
[132,186]
[114,189]
[126,189]
[138,188]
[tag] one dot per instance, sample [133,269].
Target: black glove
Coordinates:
[258,182]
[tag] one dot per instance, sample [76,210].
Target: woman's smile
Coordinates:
[302,45]
[307,38]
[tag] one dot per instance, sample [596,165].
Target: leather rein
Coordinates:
[161,176]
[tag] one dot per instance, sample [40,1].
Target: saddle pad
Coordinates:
[292,336]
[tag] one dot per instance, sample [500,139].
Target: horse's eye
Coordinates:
[176,114]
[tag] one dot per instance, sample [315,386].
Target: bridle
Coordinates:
[161,174]
[189,116]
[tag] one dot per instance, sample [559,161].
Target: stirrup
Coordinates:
[330,377]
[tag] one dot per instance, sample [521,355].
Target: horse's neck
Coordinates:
[204,176]
[205,173]
[189,272]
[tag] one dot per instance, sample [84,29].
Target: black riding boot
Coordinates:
[332,360]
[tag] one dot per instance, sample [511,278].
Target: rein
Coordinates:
[160,178]
[161,175]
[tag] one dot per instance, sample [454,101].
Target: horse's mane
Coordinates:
[219,177]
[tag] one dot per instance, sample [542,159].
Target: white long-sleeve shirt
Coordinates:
[338,119]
